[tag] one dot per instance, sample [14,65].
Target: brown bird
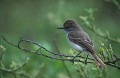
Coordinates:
[80,40]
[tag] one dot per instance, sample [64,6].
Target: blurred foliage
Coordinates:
[37,20]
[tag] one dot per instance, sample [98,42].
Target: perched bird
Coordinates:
[80,40]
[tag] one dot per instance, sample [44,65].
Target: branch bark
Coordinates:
[57,55]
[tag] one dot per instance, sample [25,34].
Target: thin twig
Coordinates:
[115,2]
[55,57]
[18,73]
[62,58]
[15,71]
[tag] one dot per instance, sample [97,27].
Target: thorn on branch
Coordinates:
[57,56]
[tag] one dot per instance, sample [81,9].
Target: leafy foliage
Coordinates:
[37,21]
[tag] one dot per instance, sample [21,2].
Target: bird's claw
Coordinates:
[86,60]
[72,61]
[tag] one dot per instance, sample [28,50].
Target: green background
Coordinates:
[37,20]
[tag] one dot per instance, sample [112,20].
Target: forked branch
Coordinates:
[58,56]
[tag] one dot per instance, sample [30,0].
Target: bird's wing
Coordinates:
[82,39]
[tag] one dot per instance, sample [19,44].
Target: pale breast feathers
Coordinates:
[81,39]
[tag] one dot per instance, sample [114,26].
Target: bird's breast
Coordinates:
[74,45]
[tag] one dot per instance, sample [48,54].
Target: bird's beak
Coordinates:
[60,28]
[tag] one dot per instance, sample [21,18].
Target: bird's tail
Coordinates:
[98,61]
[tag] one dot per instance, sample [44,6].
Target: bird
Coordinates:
[80,40]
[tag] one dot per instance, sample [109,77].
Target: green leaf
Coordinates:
[13,65]
[2,48]
[101,49]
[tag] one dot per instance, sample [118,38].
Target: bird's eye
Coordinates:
[66,27]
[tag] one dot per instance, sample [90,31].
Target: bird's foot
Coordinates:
[72,61]
[86,60]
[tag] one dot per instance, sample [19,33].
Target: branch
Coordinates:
[98,33]
[14,71]
[40,53]
[115,2]
[57,55]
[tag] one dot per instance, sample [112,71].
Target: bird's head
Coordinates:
[69,25]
